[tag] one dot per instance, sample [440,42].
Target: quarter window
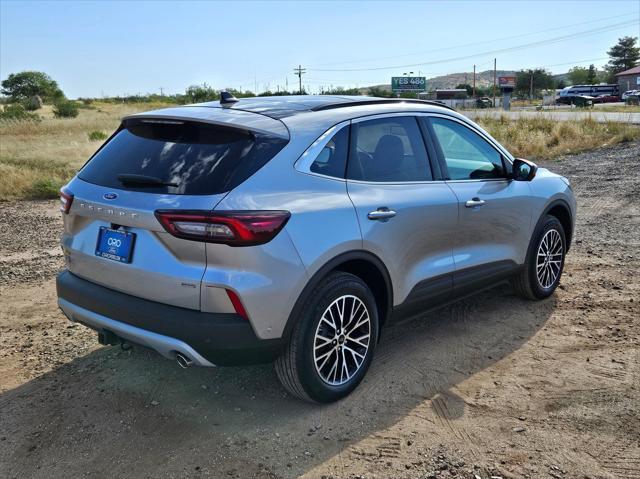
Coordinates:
[468,156]
[332,159]
[388,150]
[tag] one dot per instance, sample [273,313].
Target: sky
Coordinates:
[107,48]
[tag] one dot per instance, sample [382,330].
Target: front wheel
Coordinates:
[332,344]
[545,261]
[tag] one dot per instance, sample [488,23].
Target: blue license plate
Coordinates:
[115,245]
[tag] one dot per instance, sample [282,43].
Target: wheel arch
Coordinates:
[560,209]
[363,264]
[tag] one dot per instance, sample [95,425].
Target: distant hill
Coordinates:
[562,76]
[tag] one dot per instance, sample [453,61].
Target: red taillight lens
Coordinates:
[235,228]
[237,304]
[66,199]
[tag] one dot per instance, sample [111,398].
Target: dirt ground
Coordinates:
[490,386]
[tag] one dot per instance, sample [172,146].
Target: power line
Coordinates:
[464,45]
[491,52]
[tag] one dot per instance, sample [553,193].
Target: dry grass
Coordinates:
[544,138]
[36,158]
[618,108]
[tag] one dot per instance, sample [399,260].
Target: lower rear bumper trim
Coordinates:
[165,345]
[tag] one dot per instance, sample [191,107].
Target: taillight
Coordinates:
[66,199]
[235,228]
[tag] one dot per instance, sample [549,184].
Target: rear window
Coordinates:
[182,158]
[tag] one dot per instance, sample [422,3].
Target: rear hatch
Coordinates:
[184,158]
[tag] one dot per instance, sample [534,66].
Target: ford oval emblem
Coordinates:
[110,196]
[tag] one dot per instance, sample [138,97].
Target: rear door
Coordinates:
[494,215]
[405,214]
[111,235]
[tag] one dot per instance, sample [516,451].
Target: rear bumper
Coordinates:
[206,338]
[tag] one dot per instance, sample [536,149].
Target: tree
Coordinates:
[578,76]
[592,75]
[22,86]
[341,91]
[379,92]
[465,86]
[200,93]
[530,82]
[623,56]
[585,76]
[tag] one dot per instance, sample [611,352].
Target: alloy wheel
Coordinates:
[342,340]
[549,258]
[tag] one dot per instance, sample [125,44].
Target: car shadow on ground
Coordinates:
[135,414]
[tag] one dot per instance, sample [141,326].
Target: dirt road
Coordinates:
[493,385]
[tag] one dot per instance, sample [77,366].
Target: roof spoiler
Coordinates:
[224,117]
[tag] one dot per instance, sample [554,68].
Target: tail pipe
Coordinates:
[183,361]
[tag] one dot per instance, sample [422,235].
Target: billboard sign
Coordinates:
[399,84]
[507,81]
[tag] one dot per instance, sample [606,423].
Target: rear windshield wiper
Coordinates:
[143,180]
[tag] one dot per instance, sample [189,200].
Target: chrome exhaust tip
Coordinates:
[183,361]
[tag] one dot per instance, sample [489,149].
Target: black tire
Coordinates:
[296,367]
[527,283]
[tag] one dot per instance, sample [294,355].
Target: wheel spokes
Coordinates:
[549,259]
[342,340]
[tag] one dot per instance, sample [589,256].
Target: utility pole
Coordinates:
[494,82]
[161,91]
[530,85]
[474,81]
[300,71]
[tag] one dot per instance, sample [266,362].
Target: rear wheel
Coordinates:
[545,261]
[332,344]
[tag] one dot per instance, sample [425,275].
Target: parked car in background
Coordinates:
[606,99]
[580,101]
[292,229]
[633,99]
[627,93]
[484,102]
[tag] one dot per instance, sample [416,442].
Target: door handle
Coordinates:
[381,214]
[474,203]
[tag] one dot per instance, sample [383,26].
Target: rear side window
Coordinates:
[183,158]
[388,150]
[332,159]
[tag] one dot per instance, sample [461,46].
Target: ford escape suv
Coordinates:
[291,229]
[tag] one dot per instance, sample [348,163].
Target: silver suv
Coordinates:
[293,228]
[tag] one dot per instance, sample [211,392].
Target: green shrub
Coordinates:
[65,109]
[97,135]
[45,189]
[17,112]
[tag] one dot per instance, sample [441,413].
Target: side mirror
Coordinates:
[524,170]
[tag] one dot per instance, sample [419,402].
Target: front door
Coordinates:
[494,216]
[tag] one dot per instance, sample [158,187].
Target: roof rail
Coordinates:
[379,101]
